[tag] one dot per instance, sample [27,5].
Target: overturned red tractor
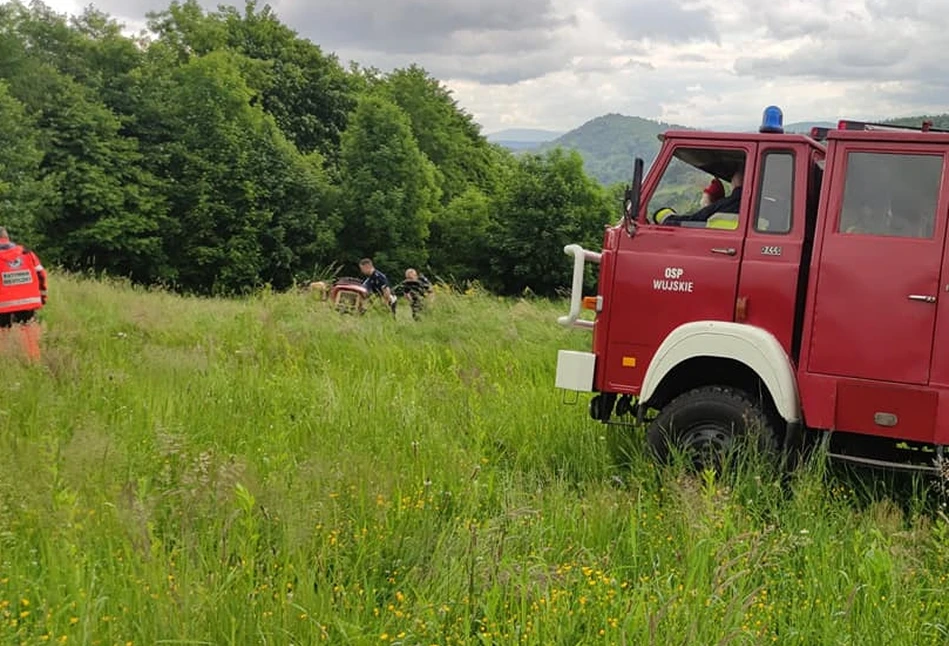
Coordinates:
[808,300]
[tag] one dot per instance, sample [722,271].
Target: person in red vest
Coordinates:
[22,292]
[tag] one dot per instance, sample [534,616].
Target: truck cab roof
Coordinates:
[846,130]
[714,136]
[890,136]
[850,130]
[719,154]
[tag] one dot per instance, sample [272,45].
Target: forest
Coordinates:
[220,152]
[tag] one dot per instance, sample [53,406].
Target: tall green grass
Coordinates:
[270,472]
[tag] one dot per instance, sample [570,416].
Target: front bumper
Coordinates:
[575,370]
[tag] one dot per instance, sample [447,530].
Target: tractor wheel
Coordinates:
[706,424]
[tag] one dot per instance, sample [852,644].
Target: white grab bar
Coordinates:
[580,256]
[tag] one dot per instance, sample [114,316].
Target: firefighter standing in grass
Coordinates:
[377,283]
[22,292]
[415,287]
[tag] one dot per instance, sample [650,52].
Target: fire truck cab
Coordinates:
[809,301]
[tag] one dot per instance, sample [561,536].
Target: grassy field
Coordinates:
[268,472]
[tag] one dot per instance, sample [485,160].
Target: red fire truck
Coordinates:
[810,299]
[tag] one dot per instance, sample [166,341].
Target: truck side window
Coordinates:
[776,194]
[691,172]
[891,194]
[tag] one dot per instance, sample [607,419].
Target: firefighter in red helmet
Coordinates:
[22,292]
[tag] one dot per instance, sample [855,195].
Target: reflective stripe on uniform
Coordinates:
[33,300]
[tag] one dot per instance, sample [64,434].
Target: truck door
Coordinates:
[774,244]
[665,276]
[878,282]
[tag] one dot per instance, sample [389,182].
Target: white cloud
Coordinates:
[556,63]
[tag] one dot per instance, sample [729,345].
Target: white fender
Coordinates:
[753,346]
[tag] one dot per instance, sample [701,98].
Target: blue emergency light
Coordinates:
[772,121]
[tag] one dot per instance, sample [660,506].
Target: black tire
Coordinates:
[706,423]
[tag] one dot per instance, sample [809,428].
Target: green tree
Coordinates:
[103,211]
[187,30]
[99,210]
[248,207]
[459,239]
[308,93]
[111,60]
[89,49]
[302,233]
[388,187]
[546,203]
[20,156]
[226,152]
[447,135]
[616,196]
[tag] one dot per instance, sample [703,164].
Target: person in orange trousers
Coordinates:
[22,292]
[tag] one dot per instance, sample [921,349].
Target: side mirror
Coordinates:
[632,197]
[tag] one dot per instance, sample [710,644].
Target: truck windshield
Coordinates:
[689,172]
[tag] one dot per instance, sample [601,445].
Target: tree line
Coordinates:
[218,152]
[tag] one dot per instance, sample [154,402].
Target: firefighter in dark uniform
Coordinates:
[377,283]
[415,288]
[22,292]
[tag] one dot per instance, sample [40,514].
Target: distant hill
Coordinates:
[608,144]
[522,138]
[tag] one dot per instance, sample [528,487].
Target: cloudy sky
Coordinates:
[557,63]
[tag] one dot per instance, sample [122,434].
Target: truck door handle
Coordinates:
[920,297]
[728,252]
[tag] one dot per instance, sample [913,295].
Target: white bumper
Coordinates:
[575,370]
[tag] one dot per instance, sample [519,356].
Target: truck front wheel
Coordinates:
[706,424]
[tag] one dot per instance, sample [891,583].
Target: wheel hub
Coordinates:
[706,442]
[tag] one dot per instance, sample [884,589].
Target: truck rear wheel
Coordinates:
[707,423]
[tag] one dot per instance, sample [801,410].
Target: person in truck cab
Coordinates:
[728,204]
[713,192]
